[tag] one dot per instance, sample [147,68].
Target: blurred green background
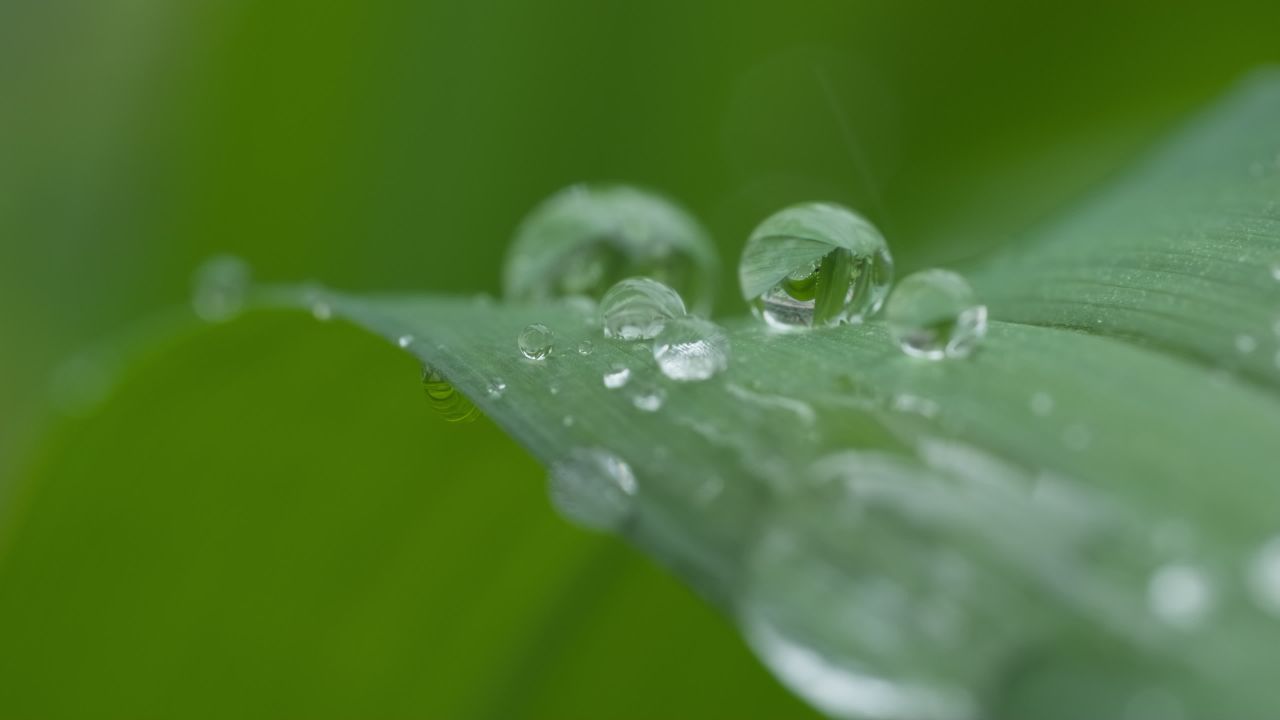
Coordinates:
[184,549]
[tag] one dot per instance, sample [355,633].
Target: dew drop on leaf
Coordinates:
[690,349]
[934,314]
[585,347]
[582,240]
[616,376]
[1180,595]
[219,288]
[815,264]
[638,308]
[404,341]
[593,488]
[536,341]
[452,405]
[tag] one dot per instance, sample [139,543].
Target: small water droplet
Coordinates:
[404,341]
[584,239]
[617,376]
[649,399]
[594,488]
[638,309]
[1041,403]
[1246,344]
[536,341]
[219,288]
[585,347]
[691,349]
[1179,595]
[1264,575]
[553,389]
[321,310]
[496,388]
[1275,270]
[934,314]
[815,264]
[567,421]
[452,405]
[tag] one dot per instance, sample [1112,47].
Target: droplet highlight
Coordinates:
[593,488]
[638,309]
[934,314]
[584,239]
[536,341]
[815,264]
[1180,595]
[690,349]
[616,376]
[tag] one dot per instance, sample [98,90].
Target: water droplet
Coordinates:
[219,288]
[1275,270]
[593,488]
[1264,575]
[638,309]
[567,421]
[536,341]
[584,239]
[1246,344]
[690,349]
[649,399]
[553,389]
[1041,403]
[815,264]
[1179,595]
[496,388]
[404,341]
[617,376]
[585,347]
[934,314]
[452,405]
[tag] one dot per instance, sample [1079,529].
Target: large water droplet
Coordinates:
[593,488]
[452,405]
[638,308]
[584,239]
[690,349]
[536,341]
[219,288]
[815,264]
[934,314]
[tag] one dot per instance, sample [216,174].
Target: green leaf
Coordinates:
[1076,511]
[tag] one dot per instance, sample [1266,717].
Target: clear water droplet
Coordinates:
[1179,595]
[585,347]
[638,309]
[934,314]
[404,341]
[567,421]
[536,341]
[219,288]
[1246,344]
[650,399]
[1264,576]
[584,239]
[690,349]
[617,376]
[496,389]
[593,488]
[452,405]
[1041,403]
[815,264]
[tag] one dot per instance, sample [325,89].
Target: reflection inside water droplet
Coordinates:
[815,264]
[452,405]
